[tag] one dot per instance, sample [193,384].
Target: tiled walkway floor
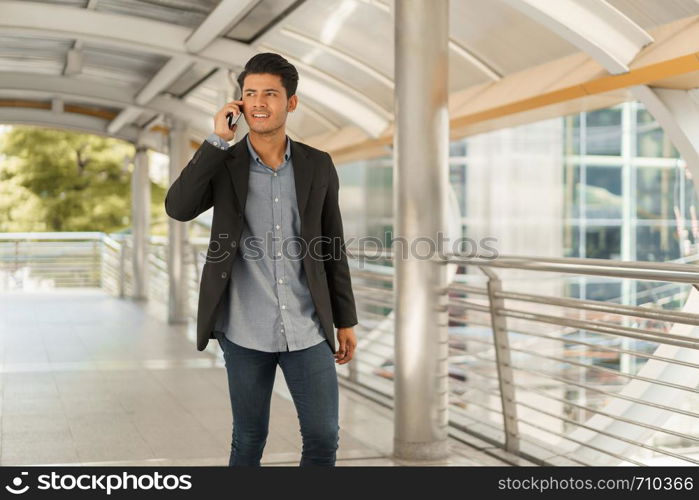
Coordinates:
[93,380]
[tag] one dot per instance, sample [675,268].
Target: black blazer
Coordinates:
[219,178]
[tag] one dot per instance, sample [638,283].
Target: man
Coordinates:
[276,276]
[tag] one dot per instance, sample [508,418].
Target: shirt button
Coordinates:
[224,274]
[274,174]
[279,254]
[280,280]
[283,307]
[277,226]
[233,243]
[276,199]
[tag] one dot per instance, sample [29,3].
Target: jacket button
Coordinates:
[233,243]
[224,274]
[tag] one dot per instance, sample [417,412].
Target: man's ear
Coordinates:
[293,102]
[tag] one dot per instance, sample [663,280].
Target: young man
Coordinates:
[276,276]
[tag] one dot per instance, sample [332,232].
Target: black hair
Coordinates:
[269,62]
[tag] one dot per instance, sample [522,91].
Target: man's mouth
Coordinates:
[260,116]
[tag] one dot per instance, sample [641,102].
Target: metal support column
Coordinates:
[420,186]
[140,221]
[177,231]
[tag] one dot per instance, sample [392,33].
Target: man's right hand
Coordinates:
[221,121]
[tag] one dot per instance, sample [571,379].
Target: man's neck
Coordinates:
[271,148]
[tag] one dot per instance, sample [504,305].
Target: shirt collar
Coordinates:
[253,153]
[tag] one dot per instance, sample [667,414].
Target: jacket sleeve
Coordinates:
[336,267]
[192,192]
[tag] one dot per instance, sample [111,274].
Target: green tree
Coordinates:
[60,180]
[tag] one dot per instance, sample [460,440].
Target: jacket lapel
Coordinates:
[303,176]
[238,165]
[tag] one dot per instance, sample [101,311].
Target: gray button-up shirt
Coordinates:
[268,305]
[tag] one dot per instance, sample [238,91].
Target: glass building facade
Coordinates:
[626,192]
[618,190]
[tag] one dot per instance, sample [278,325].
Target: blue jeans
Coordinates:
[312,380]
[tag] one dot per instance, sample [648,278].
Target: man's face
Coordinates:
[264,95]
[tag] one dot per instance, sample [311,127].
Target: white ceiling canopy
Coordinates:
[138,60]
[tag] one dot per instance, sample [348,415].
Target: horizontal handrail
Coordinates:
[472,350]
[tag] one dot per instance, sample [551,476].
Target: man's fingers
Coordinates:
[349,352]
[230,107]
[345,353]
[341,350]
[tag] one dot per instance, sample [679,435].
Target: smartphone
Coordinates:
[232,120]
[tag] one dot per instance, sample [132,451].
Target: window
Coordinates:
[603,132]
[603,242]
[657,243]
[657,192]
[602,192]
[650,138]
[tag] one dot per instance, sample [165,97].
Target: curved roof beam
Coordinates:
[593,26]
[128,32]
[128,115]
[343,99]
[333,82]
[378,4]
[117,30]
[101,94]
[73,121]
[226,14]
[362,116]
[199,122]
[167,74]
[454,46]
[351,60]
[75,56]
[141,35]
[474,60]
[311,110]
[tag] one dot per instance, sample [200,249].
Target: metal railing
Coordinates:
[43,261]
[560,379]
[543,374]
